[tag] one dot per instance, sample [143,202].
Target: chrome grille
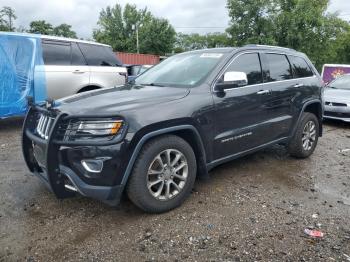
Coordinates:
[44,126]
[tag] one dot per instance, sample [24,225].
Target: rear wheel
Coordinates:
[305,139]
[163,175]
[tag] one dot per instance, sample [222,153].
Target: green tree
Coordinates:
[7,17]
[251,21]
[119,27]
[304,25]
[40,27]
[187,42]
[64,30]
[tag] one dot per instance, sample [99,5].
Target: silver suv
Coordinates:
[73,66]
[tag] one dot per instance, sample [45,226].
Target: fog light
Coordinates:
[93,165]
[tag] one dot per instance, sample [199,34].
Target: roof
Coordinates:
[49,37]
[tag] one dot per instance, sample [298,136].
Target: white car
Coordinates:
[73,66]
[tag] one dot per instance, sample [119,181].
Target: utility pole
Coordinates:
[137,39]
[136,28]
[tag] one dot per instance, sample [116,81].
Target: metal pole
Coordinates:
[137,39]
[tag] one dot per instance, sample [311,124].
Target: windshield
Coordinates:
[341,83]
[184,70]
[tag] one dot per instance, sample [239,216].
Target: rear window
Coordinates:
[300,67]
[99,55]
[279,66]
[56,53]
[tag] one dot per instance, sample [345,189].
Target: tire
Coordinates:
[297,148]
[153,156]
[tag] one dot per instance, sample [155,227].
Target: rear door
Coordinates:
[106,70]
[278,107]
[65,68]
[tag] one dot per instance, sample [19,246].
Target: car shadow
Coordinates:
[9,124]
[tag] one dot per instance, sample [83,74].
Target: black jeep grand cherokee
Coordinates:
[178,120]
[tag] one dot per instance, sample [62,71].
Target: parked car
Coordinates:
[74,66]
[180,119]
[136,70]
[337,99]
[330,72]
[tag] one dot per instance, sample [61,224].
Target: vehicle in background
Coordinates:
[178,120]
[331,72]
[74,66]
[136,70]
[337,99]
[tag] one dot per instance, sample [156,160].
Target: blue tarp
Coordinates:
[20,59]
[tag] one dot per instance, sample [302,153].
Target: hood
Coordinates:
[117,99]
[337,95]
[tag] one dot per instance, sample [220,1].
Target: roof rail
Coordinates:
[270,46]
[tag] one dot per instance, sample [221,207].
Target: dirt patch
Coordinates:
[254,208]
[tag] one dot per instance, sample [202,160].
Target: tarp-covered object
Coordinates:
[20,55]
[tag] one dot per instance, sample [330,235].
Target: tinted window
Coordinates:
[56,53]
[249,64]
[77,56]
[300,67]
[99,55]
[279,68]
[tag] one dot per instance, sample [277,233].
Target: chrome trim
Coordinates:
[256,52]
[44,126]
[87,168]
[71,188]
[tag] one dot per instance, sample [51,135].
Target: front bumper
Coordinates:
[337,113]
[60,168]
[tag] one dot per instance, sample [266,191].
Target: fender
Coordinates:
[149,136]
[314,101]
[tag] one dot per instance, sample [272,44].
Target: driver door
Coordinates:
[240,113]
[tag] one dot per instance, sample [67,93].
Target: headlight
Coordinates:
[85,129]
[100,127]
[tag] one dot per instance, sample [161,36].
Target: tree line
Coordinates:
[8,16]
[304,25]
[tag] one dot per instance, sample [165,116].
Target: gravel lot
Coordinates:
[255,208]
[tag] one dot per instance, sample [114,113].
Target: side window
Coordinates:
[300,67]
[56,53]
[280,68]
[77,56]
[249,64]
[99,55]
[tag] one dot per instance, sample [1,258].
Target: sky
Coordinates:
[188,16]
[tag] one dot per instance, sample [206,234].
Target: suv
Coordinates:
[73,66]
[180,119]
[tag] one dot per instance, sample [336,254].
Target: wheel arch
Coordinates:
[187,132]
[315,107]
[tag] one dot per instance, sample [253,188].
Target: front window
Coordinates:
[184,70]
[341,83]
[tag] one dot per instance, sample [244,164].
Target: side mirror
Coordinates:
[232,80]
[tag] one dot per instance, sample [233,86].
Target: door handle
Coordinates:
[299,85]
[78,72]
[264,92]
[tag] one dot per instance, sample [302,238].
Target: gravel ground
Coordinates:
[251,209]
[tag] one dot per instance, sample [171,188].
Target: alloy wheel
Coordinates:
[167,174]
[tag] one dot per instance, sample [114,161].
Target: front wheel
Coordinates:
[305,139]
[163,175]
